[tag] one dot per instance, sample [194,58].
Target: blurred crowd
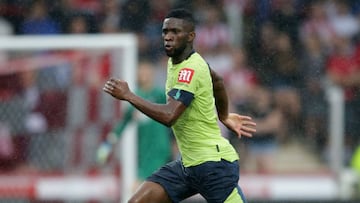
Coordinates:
[277,57]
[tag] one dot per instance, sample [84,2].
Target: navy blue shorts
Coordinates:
[215,181]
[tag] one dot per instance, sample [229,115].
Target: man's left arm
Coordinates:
[220,95]
[241,125]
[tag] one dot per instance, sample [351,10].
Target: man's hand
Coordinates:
[117,88]
[241,125]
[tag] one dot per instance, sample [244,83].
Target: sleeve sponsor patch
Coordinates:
[185,75]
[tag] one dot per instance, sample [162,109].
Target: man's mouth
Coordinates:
[168,47]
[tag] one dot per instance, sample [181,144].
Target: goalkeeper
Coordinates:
[154,143]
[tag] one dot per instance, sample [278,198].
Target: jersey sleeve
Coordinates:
[186,85]
[187,79]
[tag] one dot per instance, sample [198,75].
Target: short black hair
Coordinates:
[182,13]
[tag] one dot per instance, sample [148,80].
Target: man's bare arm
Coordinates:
[220,95]
[241,125]
[166,114]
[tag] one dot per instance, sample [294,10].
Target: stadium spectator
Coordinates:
[314,110]
[152,29]
[64,11]
[240,80]
[215,38]
[215,33]
[261,149]
[286,19]
[262,11]
[109,18]
[286,82]
[261,52]
[134,15]
[318,23]
[78,24]
[89,6]
[38,21]
[286,65]
[344,22]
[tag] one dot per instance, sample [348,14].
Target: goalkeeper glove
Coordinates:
[103,152]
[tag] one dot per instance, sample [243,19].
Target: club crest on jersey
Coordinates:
[185,75]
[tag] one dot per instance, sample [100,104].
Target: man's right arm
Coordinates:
[166,114]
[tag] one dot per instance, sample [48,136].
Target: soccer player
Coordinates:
[209,163]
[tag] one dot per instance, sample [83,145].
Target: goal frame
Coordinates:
[123,41]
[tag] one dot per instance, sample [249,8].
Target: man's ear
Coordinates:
[191,36]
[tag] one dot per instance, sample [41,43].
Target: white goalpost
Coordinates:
[123,49]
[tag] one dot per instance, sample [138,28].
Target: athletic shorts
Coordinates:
[217,181]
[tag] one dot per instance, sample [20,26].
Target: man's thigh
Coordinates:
[150,192]
[218,180]
[174,181]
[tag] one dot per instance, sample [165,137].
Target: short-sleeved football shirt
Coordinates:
[197,131]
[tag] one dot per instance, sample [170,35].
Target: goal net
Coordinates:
[54,114]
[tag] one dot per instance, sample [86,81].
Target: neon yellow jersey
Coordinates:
[355,160]
[197,131]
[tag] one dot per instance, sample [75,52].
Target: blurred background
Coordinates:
[293,65]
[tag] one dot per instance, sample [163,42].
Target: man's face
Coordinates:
[175,35]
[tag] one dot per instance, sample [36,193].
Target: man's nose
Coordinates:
[168,37]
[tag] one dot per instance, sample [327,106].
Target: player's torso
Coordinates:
[196,130]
